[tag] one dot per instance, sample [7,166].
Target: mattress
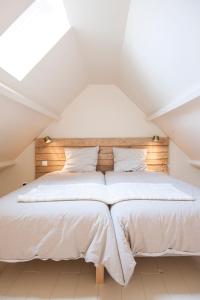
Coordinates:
[59,230]
[155,228]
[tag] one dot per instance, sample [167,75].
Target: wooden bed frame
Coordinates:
[53,153]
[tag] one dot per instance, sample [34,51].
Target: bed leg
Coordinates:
[100,274]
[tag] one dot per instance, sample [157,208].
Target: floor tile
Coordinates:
[110,289]
[154,288]
[86,287]
[65,286]
[88,268]
[163,278]
[147,265]
[134,290]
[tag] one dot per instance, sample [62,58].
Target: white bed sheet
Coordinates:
[155,228]
[59,230]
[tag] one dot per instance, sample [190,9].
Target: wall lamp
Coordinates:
[155,138]
[47,140]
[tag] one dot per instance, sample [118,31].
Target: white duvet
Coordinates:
[152,227]
[109,194]
[59,230]
[67,192]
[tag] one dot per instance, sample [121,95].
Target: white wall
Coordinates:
[105,111]
[99,111]
[102,111]
[180,167]
[13,177]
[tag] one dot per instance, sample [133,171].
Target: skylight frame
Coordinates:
[34,33]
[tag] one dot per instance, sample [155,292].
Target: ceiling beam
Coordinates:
[195,163]
[174,105]
[8,163]
[12,94]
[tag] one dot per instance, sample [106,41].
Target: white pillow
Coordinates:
[126,159]
[81,159]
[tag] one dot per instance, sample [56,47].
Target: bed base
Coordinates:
[169,255]
[100,274]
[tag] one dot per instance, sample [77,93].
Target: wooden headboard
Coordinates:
[53,153]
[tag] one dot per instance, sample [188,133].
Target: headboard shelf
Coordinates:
[157,152]
[110,142]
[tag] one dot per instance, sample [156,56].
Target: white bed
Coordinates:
[154,227]
[59,230]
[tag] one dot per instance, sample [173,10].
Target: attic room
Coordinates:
[100,149]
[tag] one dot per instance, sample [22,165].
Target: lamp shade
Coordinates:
[47,139]
[155,138]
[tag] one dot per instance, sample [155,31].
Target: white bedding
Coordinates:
[109,194]
[75,192]
[155,228]
[59,230]
[142,191]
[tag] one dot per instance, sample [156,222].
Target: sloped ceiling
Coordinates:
[100,27]
[10,10]
[160,66]
[160,56]
[19,125]
[150,48]
[57,79]
[183,125]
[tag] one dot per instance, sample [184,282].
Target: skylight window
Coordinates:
[31,36]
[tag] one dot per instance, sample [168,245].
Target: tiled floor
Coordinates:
[154,279]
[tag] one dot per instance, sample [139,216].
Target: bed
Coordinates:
[59,230]
[157,160]
[152,227]
[55,230]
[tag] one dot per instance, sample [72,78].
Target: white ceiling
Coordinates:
[57,79]
[99,27]
[160,57]
[150,48]
[10,10]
